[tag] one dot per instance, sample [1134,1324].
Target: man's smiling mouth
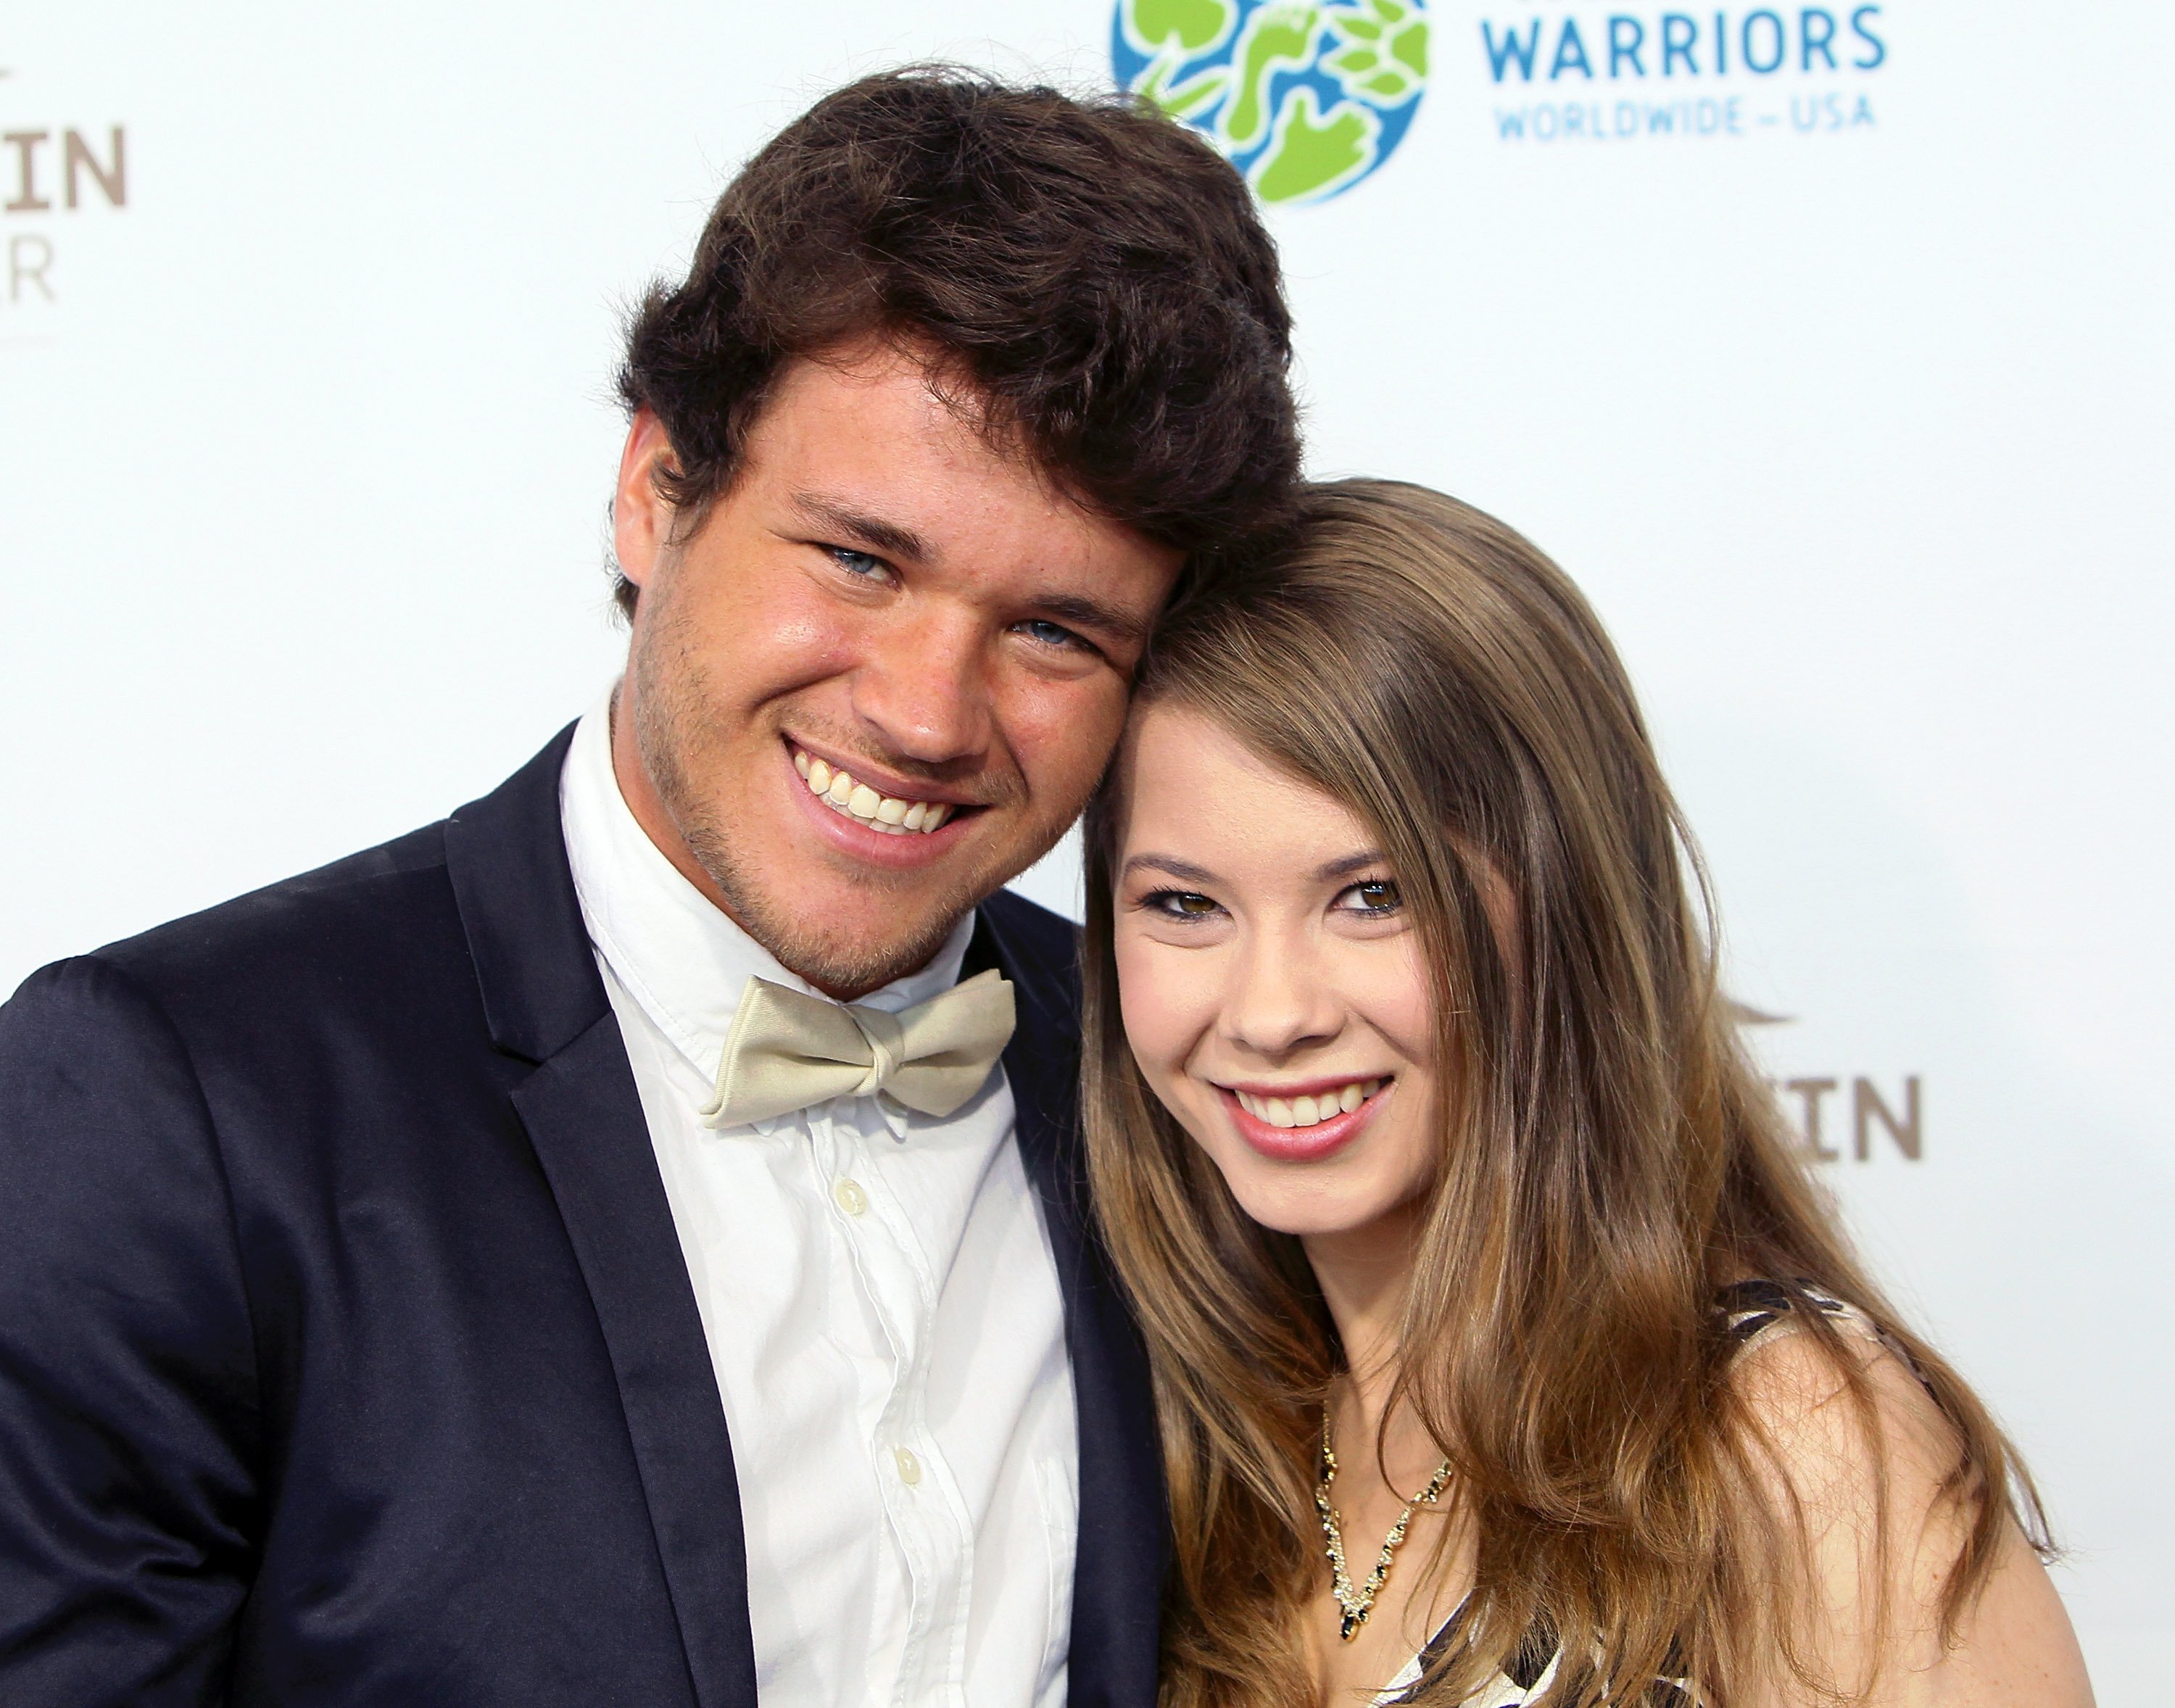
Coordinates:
[850,797]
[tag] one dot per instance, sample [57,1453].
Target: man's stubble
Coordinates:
[672,721]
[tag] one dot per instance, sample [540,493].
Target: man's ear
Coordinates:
[641,516]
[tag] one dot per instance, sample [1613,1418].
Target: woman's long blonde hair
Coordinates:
[1608,1159]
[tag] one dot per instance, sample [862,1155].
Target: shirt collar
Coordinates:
[682,958]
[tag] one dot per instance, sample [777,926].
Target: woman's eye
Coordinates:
[863,564]
[1374,898]
[1181,904]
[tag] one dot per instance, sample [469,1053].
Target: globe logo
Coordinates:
[1305,99]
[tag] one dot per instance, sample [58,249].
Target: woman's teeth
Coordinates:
[837,790]
[1307,1111]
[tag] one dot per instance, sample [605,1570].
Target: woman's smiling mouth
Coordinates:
[1305,1111]
[1295,1125]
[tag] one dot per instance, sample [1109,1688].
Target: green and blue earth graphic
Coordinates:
[1306,100]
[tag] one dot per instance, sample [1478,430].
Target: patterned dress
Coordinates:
[1748,1310]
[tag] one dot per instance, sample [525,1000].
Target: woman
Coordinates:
[1506,1353]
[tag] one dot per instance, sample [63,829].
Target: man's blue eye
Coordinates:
[861,563]
[1050,634]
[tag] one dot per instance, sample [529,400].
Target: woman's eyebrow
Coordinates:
[1171,866]
[1348,866]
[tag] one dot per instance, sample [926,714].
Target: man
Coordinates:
[495,1268]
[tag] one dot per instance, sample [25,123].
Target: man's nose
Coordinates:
[924,688]
[1278,999]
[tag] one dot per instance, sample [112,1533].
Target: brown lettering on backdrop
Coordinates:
[76,157]
[1867,1107]
[1811,1091]
[27,200]
[29,256]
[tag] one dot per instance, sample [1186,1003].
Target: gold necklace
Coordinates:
[1355,1605]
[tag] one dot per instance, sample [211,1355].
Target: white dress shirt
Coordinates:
[882,1312]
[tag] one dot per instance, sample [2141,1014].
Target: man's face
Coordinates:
[880,593]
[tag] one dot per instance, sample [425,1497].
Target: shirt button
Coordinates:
[853,1202]
[910,1467]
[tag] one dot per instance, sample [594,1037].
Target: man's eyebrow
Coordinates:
[1171,866]
[891,539]
[895,540]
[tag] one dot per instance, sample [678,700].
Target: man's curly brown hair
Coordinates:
[1092,280]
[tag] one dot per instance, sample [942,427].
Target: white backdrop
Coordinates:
[1857,437]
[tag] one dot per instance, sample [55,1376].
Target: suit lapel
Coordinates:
[1124,1526]
[546,1004]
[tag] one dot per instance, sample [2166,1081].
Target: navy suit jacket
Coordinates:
[347,1353]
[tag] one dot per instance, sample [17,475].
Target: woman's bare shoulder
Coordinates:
[1856,1451]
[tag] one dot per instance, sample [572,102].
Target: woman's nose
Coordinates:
[1278,999]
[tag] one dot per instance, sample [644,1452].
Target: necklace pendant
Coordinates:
[1355,1605]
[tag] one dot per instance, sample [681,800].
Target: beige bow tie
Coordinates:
[786,1051]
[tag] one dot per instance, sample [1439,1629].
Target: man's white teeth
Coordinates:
[1307,1111]
[859,802]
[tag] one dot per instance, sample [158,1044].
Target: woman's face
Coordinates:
[1270,982]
